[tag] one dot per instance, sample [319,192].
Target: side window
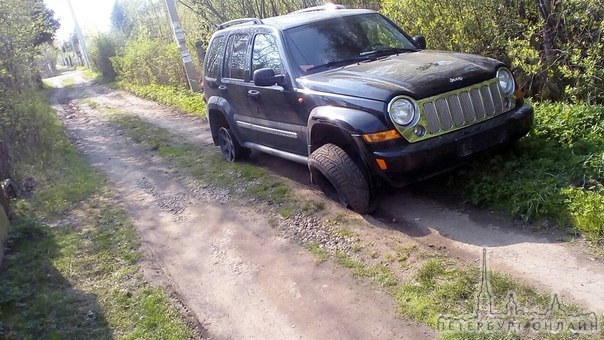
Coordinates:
[214,57]
[266,54]
[234,66]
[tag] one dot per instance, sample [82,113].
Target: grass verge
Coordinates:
[555,175]
[71,270]
[182,99]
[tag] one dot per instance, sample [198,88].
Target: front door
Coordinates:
[279,122]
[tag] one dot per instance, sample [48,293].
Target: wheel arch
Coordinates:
[217,112]
[343,127]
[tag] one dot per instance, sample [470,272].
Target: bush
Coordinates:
[27,127]
[102,50]
[150,62]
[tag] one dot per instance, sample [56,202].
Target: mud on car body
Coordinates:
[354,97]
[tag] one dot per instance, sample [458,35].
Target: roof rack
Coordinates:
[327,7]
[224,25]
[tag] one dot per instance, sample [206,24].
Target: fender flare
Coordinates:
[341,118]
[216,103]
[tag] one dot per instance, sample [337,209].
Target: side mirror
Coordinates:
[419,41]
[267,77]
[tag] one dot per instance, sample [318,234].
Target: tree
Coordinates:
[25,26]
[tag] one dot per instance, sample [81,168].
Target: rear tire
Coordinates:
[340,178]
[230,148]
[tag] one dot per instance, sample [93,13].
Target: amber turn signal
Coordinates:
[381,136]
[381,163]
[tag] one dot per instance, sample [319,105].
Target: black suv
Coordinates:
[350,94]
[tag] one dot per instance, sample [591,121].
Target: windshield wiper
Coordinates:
[387,51]
[338,63]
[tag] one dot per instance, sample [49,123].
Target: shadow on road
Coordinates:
[36,300]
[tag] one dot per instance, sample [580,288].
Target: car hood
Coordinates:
[417,74]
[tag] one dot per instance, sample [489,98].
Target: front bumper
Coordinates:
[413,162]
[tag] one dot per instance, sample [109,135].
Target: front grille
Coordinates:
[467,106]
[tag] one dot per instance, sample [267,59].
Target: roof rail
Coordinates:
[327,7]
[224,25]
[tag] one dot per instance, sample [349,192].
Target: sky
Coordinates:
[92,15]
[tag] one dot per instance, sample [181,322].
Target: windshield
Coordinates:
[344,40]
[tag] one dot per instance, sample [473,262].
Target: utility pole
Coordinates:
[179,35]
[80,36]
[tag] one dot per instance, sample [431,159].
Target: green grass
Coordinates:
[320,254]
[443,287]
[71,269]
[554,174]
[182,99]
[378,274]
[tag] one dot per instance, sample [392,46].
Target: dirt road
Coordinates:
[242,280]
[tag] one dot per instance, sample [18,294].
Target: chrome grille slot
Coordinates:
[468,108]
[431,117]
[446,121]
[496,95]
[477,102]
[456,110]
[487,101]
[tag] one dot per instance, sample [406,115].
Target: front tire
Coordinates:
[340,178]
[230,148]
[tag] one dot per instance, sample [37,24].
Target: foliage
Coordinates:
[24,26]
[102,49]
[554,174]
[179,98]
[555,47]
[26,128]
[150,62]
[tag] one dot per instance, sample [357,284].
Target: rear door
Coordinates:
[235,84]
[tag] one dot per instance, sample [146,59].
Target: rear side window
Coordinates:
[214,57]
[235,62]
[266,54]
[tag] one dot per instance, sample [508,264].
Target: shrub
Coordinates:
[147,62]
[102,50]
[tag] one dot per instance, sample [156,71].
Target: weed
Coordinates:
[345,233]
[311,207]
[286,212]
[378,274]
[319,253]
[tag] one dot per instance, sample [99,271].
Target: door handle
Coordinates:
[254,94]
[222,88]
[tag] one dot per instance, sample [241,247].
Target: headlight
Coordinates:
[403,111]
[506,81]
